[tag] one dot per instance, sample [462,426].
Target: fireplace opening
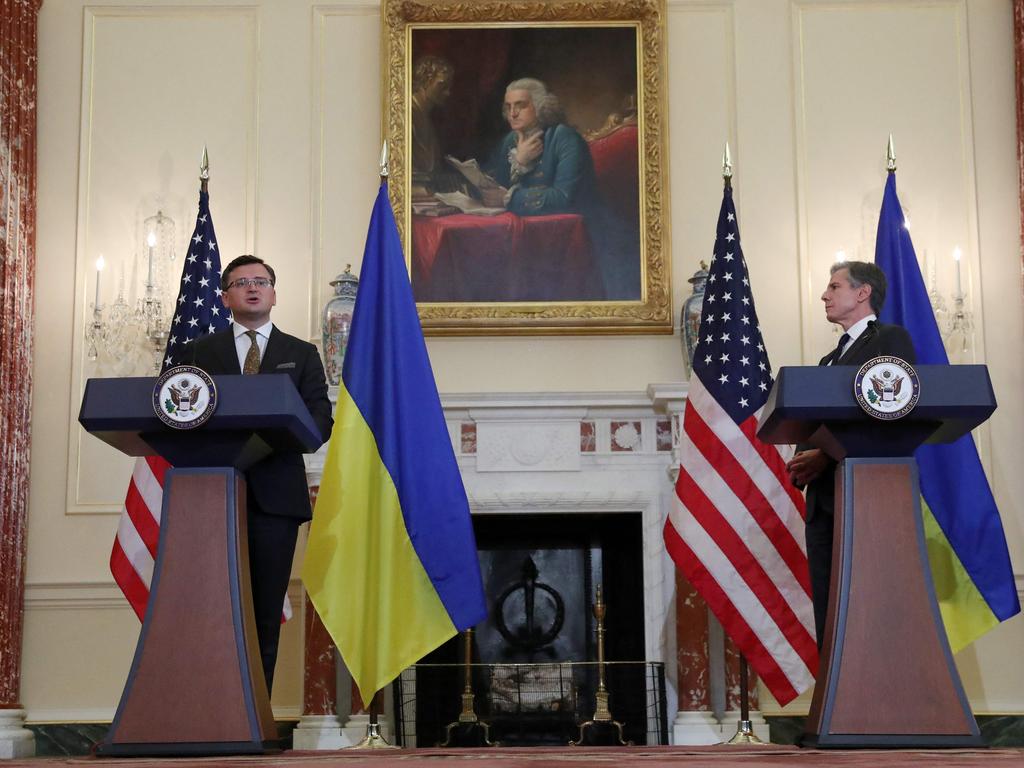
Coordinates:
[533,674]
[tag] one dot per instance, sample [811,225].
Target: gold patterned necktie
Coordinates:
[252,357]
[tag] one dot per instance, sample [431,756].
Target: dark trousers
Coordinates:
[818,534]
[271,550]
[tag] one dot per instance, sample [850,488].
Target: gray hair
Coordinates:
[864,272]
[549,111]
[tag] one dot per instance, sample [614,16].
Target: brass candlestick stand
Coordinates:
[468,730]
[602,722]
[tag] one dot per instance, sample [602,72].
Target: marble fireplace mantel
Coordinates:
[577,452]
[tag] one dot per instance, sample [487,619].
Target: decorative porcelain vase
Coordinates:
[337,321]
[689,317]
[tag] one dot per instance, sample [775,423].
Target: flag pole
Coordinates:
[745,729]
[373,738]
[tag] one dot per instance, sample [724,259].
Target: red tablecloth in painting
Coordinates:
[504,258]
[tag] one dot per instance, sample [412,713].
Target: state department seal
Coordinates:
[184,397]
[886,388]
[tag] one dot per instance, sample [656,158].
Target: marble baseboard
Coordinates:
[996,730]
[78,739]
[67,739]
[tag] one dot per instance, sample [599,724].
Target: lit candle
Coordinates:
[956,258]
[840,255]
[99,268]
[150,241]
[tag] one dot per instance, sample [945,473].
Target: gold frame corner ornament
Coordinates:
[652,313]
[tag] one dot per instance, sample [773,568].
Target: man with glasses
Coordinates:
[276,490]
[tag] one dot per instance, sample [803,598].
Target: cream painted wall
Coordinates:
[286,94]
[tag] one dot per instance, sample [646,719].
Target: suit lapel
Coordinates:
[862,341]
[274,352]
[226,350]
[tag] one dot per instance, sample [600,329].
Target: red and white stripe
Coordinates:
[138,533]
[134,552]
[736,532]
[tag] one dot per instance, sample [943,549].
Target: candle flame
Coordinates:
[151,240]
[957,253]
[100,263]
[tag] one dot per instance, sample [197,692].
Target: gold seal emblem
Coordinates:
[184,397]
[886,388]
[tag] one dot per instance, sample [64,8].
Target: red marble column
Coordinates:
[692,648]
[18,46]
[1018,48]
[319,691]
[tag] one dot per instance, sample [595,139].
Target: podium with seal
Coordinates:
[886,676]
[196,683]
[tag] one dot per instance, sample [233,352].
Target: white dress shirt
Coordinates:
[854,332]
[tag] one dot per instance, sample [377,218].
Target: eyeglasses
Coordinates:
[250,282]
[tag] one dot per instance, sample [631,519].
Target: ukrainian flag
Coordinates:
[391,564]
[970,562]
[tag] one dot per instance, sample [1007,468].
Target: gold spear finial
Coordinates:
[726,163]
[384,155]
[204,170]
[890,156]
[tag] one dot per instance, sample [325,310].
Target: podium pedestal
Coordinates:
[196,684]
[887,677]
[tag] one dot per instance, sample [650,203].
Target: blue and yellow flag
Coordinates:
[391,564]
[966,545]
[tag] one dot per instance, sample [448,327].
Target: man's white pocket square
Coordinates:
[284,365]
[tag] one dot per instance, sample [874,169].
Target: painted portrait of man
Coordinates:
[525,175]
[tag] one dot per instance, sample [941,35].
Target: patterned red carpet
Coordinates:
[720,756]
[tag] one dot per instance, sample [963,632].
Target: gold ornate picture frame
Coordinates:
[528,163]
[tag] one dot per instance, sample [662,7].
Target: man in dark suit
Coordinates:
[277,493]
[853,299]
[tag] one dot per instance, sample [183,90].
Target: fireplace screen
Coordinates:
[530,704]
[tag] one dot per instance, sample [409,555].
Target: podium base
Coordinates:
[887,676]
[889,741]
[187,749]
[196,684]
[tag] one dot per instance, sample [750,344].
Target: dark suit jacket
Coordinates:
[877,339]
[277,483]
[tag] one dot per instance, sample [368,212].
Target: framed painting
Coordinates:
[528,163]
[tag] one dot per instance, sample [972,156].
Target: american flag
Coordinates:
[736,525]
[198,310]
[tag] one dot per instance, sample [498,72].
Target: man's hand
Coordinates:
[807,466]
[492,196]
[529,148]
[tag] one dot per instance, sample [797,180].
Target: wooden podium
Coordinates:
[196,684]
[886,676]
